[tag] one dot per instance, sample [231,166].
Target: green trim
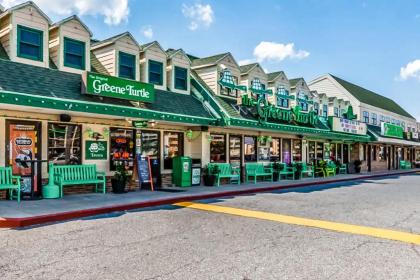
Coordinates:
[83,45]
[161,72]
[22,99]
[133,65]
[177,68]
[40,33]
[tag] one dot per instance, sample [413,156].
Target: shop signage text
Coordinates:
[268,111]
[348,126]
[96,150]
[392,130]
[108,86]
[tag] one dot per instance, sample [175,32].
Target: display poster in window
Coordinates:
[22,146]
[96,150]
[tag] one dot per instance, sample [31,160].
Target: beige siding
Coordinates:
[107,58]
[332,89]
[5,33]
[230,63]
[179,60]
[54,46]
[28,16]
[281,80]
[155,53]
[209,76]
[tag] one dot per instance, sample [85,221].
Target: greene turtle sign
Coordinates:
[108,86]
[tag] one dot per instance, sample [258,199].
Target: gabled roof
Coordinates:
[172,52]
[293,82]
[208,61]
[73,17]
[274,75]
[245,69]
[144,47]
[113,39]
[372,98]
[22,5]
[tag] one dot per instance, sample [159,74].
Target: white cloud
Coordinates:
[199,15]
[147,31]
[274,52]
[411,70]
[246,61]
[113,11]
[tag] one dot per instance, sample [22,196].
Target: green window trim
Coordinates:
[160,72]
[40,33]
[184,78]
[83,47]
[131,65]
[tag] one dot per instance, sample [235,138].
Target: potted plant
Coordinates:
[357,165]
[208,175]
[119,180]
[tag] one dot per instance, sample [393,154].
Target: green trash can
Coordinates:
[181,171]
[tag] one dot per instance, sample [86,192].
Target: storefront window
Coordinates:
[250,151]
[319,150]
[286,151]
[327,150]
[297,150]
[333,154]
[64,145]
[264,150]
[235,147]
[150,144]
[173,145]
[311,151]
[218,148]
[382,153]
[275,150]
[339,152]
[121,147]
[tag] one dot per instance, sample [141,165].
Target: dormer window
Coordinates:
[127,66]
[228,84]
[303,101]
[155,72]
[325,110]
[282,97]
[316,107]
[181,78]
[29,43]
[74,53]
[336,112]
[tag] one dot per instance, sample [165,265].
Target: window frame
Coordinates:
[282,97]
[186,77]
[223,157]
[40,46]
[120,54]
[167,161]
[151,61]
[365,116]
[67,64]
[374,118]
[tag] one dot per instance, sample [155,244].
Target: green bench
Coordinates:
[286,171]
[66,175]
[257,170]
[10,182]
[225,170]
[405,164]
[307,170]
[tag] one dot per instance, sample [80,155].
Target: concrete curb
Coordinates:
[63,216]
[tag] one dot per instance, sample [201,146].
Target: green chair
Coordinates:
[330,169]
[255,170]
[307,170]
[10,182]
[225,170]
[286,171]
[342,169]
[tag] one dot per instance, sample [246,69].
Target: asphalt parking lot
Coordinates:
[244,237]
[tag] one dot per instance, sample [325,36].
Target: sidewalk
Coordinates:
[75,206]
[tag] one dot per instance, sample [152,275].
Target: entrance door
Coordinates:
[23,144]
[150,147]
[235,151]
[346,153]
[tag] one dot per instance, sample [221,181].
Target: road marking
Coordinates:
[340,227]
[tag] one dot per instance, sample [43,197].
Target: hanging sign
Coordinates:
[348,126]
[392,130]
[96,150]
[139,124]
[109,86]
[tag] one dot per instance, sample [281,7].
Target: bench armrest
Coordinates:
[268,169]
[17,178]
[100,173]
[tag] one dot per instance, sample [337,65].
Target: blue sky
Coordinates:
[365,42]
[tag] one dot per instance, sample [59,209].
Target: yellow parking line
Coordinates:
[347,228]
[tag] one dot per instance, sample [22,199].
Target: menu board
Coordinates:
[144,171]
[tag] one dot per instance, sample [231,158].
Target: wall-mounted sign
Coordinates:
[139,124]
[391,130]
[348,126]
[415,135]
[268,111]
[96,150]
[108,86]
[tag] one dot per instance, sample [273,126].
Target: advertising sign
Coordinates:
[392,130]
[96,150]
[108,86]
[415,135]
[348,126]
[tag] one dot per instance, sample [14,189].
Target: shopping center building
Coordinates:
[69,99]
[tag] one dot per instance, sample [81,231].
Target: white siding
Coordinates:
[154,53]
[107,58]
[179,60]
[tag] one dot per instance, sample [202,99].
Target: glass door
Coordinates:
[23,144]
[235,149]
[150,147]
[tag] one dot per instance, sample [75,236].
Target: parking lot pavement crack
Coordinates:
[364,243]
[170,273]
[415,250]
[407,218]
